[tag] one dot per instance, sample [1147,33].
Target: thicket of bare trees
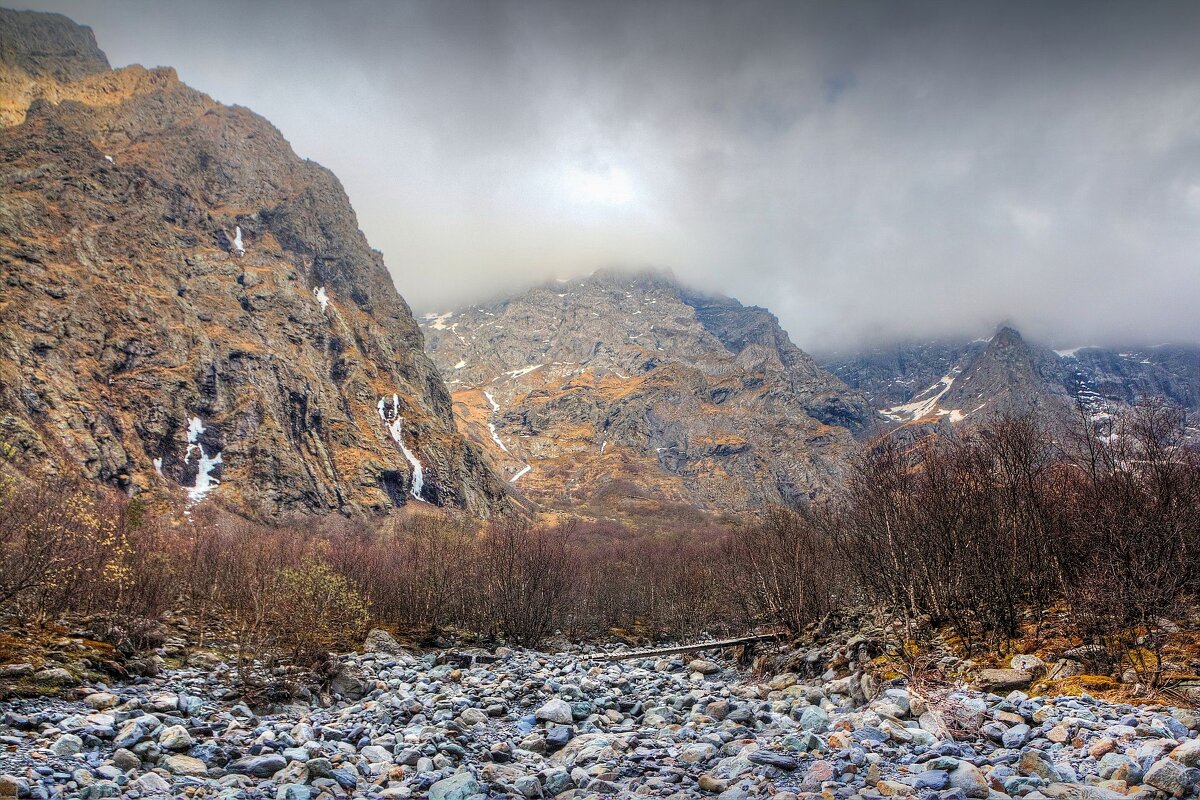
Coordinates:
[980,532]
[987,531]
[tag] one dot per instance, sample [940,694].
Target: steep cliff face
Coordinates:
[627,391]
[187,305]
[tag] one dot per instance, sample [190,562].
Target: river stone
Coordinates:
[456,787]
[67,745]
[771,759]
[1188,753]
[175,737]
[970,779]
[1172,777]
[258,766]
[185,765]
[55,675]
[380,641]
[555,710]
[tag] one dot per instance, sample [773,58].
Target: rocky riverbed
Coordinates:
[448,725]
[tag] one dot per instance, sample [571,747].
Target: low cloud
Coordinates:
[867,170]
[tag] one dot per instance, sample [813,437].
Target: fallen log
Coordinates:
[716,644]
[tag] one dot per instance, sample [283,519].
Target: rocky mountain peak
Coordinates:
[41,52]
[920,383]
[630,378]
[187,305]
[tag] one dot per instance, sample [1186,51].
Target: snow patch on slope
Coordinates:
[917,409]
[495,437]
[205,464]
[438,321]
[517,373]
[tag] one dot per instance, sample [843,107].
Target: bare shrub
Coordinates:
[785,568]
[524,577]
[1130,534]
[313,611]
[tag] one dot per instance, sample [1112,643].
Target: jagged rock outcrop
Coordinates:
[628,391]
[186,303]
[953,381]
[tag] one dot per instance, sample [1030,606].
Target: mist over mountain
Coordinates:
[574,532]
[870,171]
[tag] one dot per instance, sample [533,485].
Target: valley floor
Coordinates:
[528,724]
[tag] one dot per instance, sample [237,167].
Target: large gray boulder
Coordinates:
[1001,680]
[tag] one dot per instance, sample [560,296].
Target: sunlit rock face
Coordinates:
[189,309]
[622,391]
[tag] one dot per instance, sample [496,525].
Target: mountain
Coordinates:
[957,380]
[621,392]
[187,308]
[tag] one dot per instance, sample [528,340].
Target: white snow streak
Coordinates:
[204,477]
[205,464]
[520,473]
[492,401]
[460,365]
[395,425]
[238,246]
[917,409]
[517,373]
[322,298]
[158,466]
[495,437]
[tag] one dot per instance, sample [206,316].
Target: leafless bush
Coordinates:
[313,610]
[1129,534]
[973,532]
[524,576]
[785,568]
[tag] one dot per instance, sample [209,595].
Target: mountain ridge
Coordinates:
[182,293]
[957,378]
[628,377]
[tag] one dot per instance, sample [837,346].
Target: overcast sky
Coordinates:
[863,169]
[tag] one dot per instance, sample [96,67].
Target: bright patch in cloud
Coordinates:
[610,186]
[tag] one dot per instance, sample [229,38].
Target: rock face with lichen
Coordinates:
[630,393]
[188,308]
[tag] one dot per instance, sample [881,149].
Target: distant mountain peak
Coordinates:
[709,398]
[965,381]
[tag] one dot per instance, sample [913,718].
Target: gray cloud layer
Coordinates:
[864,169]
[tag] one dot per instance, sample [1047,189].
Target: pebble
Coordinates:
[465,725]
